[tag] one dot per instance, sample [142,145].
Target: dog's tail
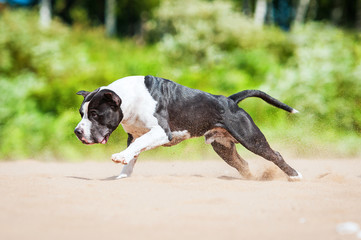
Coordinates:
[237,97]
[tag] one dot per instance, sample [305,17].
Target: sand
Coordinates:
[177,200]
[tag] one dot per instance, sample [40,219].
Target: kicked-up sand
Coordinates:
[178,200]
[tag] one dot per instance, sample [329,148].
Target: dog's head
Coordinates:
[101,115]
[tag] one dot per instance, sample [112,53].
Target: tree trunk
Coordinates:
[301,11]
[312,10]
[337,12]
[110,18]
[45,13]
[65,12]
[246,7]
[260,12]
[358,15]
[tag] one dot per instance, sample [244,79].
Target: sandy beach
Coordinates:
[178,200]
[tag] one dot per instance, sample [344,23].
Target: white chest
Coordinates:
[136,129]
[137,105]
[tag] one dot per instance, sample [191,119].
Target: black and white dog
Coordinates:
[158,112]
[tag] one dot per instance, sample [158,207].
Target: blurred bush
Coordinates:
[324,76]
[40,72]
[210,46]
[205,31]
[315,68]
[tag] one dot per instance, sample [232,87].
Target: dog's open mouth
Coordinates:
[86,142]
[105,140]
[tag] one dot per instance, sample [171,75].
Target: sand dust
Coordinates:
[177,200]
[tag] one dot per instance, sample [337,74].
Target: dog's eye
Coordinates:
[94,114]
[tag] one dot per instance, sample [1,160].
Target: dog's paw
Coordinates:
[296,178]
[123,175]
[121,158]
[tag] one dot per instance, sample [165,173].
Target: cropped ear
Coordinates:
[83,93]
[111,96]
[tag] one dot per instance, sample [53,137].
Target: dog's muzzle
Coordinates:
[79,132]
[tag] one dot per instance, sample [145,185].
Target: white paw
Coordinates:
[122,158]
[296,178]
[122,175]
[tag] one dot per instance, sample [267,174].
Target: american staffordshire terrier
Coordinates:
[159,112]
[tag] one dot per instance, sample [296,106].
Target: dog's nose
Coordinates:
[78,132]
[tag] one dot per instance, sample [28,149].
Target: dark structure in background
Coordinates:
[125,17]
[282,12]
[19,2]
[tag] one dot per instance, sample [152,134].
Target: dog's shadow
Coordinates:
[228,178]
[112,178]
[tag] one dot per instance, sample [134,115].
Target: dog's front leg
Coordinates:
[154,138]
[128,169]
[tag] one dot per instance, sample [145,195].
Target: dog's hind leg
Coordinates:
[229,155]
[224,145]
[245,131]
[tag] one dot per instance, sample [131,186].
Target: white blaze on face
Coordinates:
[85,124]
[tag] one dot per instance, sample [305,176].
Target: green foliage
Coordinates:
[315,69]
[40,72]
[323,78]
[205,31]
